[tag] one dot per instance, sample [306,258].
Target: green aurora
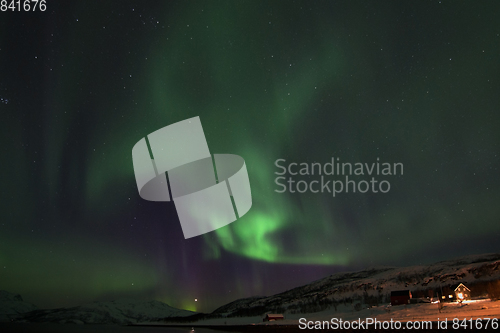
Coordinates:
[298,81]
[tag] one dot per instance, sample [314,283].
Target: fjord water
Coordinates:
[70,328]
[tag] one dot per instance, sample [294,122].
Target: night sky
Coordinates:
[302,81]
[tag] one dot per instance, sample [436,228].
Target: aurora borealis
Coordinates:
[80,84]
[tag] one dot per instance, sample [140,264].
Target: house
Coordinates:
[462,293]
[400,297]
[273,317]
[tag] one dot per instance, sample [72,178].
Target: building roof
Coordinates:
[463,285]
[400,293]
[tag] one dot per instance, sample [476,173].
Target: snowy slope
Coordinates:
[12,305]
[115,312]
[369,286]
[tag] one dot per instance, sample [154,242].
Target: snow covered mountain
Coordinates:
[114,312]
[373,287]
[12,306]
[481,273]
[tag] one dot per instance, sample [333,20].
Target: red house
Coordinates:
[400,297]
[273,317]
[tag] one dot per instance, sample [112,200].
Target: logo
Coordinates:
[320,183]
[174,163]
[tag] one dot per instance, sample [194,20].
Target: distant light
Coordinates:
[460,295]
[196,300]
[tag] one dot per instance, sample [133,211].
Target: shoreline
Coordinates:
[291,328]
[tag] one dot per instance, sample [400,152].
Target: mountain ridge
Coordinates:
[370,286]
[122,311]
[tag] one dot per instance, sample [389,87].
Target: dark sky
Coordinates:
[401,82]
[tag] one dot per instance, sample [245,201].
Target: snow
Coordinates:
[12,305]
[353,287]
[114,312]
[413,312]
[343,295]
[348,291]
